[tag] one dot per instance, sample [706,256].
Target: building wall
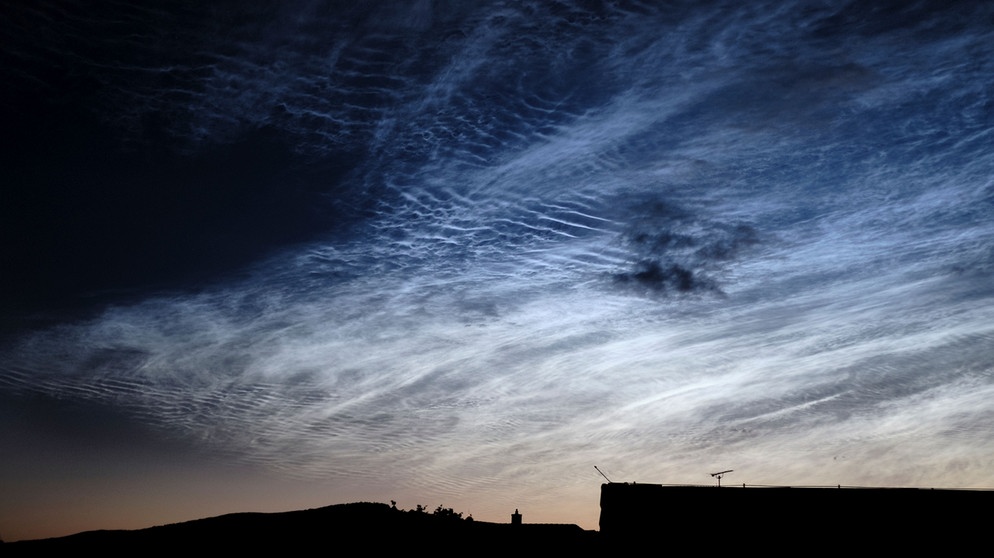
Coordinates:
[777,517]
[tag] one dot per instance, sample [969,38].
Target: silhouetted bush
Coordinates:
[446,513]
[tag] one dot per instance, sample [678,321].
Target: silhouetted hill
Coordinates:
[368,527]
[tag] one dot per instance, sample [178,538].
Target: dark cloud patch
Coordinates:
[675,249]
[657,276]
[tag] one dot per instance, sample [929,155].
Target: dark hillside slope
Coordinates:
[370,527]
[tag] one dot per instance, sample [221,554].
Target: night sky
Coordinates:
[264,256]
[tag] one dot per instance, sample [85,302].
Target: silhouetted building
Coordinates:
[515,518]
[802,518]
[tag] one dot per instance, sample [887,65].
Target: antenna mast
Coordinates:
[720,474]
[602,473]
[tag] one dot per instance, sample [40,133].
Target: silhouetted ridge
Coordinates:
[365,526]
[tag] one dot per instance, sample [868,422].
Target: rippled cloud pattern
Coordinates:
[466,251]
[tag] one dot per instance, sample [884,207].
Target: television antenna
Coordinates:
[720,474]
[602,473]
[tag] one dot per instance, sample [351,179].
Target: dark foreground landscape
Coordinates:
[365,526]
[635,518]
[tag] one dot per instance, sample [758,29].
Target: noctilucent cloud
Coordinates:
[261,257]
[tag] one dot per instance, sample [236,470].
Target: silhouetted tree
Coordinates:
[447,513]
